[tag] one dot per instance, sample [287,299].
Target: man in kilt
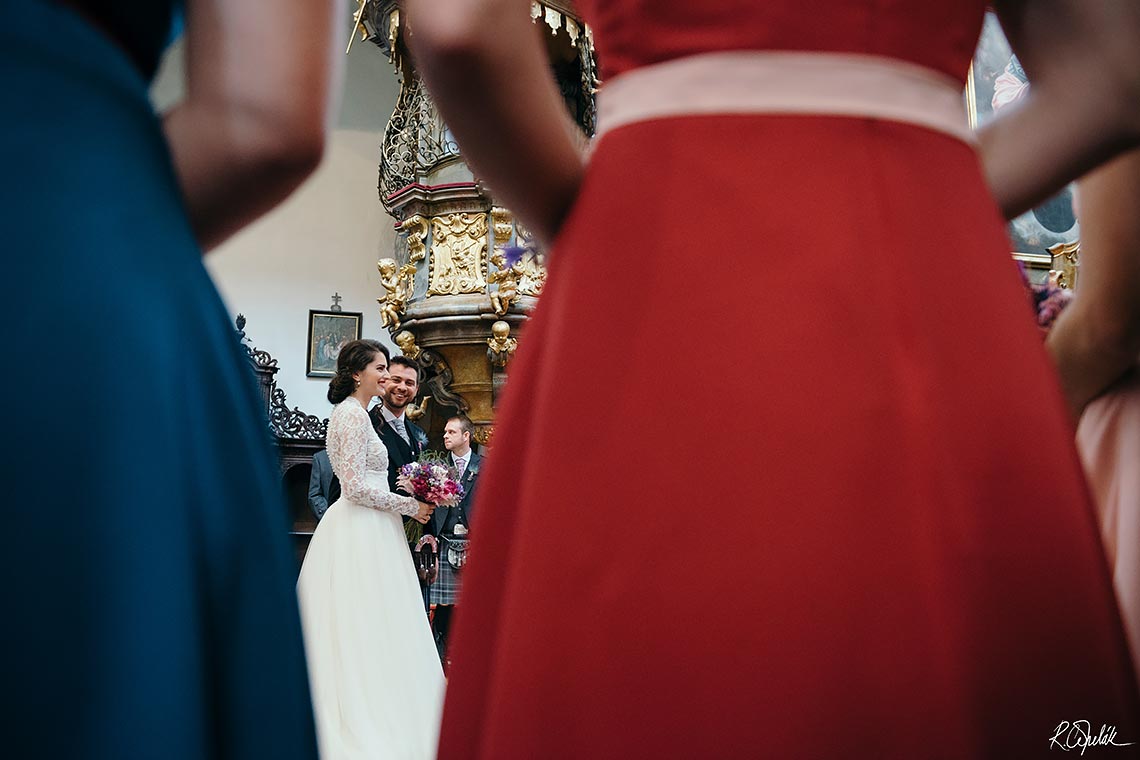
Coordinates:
[452,527]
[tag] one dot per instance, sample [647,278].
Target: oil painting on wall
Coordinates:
[329,331]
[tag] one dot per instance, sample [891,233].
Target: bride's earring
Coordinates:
[358,383]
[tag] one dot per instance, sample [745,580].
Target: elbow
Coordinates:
[1127,91]
[1117,81]
[298,153]
[1122,107]
[1118,335]
[1127,336]
[287,151]
[275,148]
[1132,102]
[458,35]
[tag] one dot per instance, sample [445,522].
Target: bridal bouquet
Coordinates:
[430,479]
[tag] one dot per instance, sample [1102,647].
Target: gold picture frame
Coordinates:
[329,331]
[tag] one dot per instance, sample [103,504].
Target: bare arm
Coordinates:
[1083,108]
[1097,338]
[487,71]
[260,79]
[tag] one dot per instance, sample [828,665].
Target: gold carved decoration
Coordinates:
[393,28]
[357,25]
[414,411]
[553,20]
[417,229]
[407,343]
[501,346]
[1066,263]
[484,434]
[506,276]
[533,275]
[502,224]
[458,254]
[397,282]
[572,29]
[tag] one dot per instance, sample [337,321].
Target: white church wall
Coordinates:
[324,239]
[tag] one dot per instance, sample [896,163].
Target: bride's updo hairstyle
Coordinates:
[354,357]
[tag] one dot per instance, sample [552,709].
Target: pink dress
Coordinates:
[1108,438]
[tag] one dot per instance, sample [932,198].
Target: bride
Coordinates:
[376,678]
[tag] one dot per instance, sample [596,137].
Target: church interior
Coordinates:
[795,350]
[395,234]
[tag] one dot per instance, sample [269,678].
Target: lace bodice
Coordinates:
[360,460]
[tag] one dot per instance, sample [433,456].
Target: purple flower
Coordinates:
[513,254]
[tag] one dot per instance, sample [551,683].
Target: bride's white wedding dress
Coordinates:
[377,683]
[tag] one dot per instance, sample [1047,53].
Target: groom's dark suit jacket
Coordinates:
[399,452]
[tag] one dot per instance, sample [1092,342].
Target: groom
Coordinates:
[403,439]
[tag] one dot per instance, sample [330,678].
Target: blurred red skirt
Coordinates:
[783,470]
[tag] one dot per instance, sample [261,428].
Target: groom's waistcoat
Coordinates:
[400,452]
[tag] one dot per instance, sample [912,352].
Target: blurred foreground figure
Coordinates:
[885,549]
[151,608]
[1096,344]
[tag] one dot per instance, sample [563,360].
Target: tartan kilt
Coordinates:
[445,590]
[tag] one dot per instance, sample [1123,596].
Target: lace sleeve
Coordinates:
[348,438]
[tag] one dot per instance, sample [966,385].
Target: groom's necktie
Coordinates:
[398,426]
[460,466]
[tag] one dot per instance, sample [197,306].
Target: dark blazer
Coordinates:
[443,520]
[399,452]
[324,488]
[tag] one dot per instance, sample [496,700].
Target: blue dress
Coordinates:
[150,609]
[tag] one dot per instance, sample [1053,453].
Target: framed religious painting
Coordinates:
[1049,233]
[329,332]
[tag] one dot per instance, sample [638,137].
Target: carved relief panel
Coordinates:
[458,261]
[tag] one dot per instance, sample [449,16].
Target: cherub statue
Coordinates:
[397,282]
[500,346]
[407,343]
[414,411]
[507,277]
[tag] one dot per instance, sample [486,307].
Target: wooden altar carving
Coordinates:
[297,437]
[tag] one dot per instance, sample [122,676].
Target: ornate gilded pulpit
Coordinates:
[455,292]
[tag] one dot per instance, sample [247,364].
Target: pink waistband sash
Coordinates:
[781,82]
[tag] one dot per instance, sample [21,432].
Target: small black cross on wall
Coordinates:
[336,299]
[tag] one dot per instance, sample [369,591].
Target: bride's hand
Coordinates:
[424,512]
